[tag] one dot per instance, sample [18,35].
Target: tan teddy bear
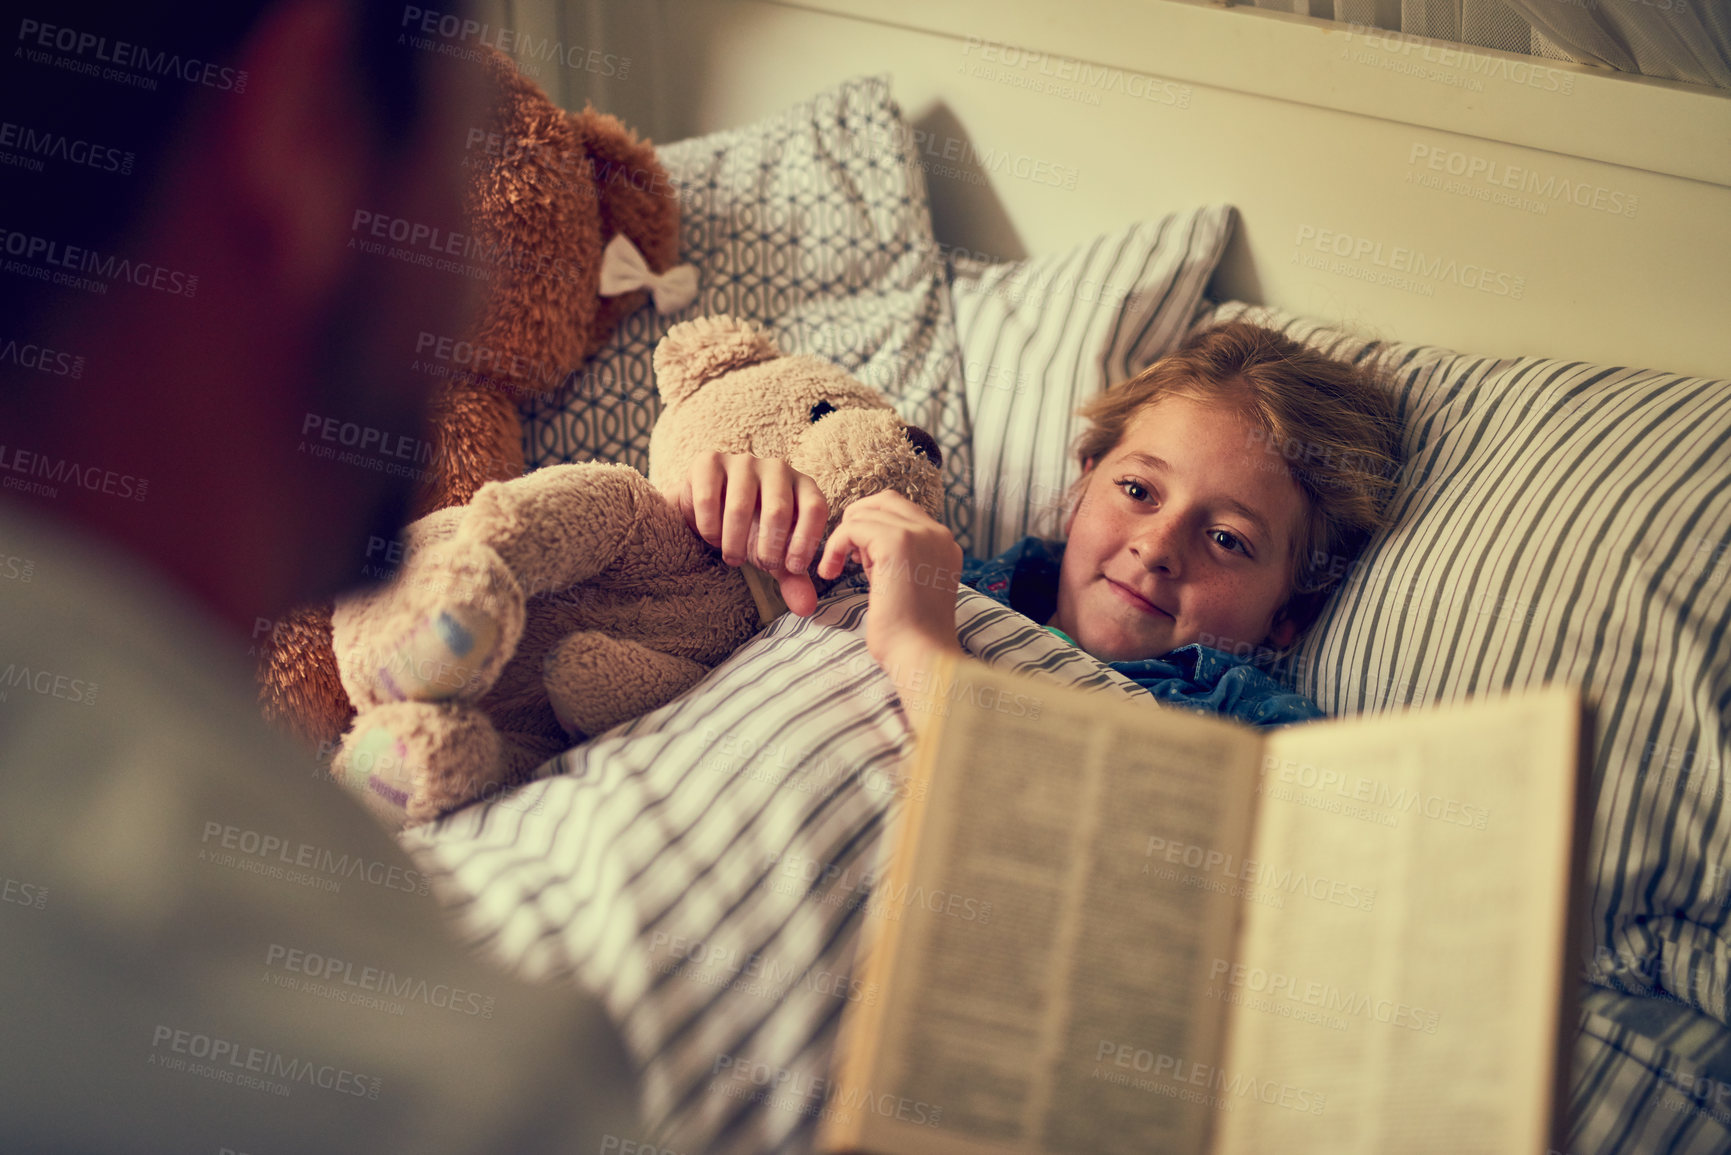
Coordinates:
[561,207]
[559,604]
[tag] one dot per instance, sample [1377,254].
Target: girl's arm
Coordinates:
[914,565]
[764,511]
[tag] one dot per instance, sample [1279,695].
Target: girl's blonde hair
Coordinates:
[1334,424]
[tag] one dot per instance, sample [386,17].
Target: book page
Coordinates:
[1404,996]
[1045,952]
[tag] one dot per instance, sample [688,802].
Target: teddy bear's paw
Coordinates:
[445,629]
[443,656]
[412,761]
[595,681]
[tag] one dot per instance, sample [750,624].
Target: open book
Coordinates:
[1110,927]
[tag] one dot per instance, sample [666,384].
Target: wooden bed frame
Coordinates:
[1409,188]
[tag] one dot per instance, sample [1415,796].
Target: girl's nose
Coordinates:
[1159,543]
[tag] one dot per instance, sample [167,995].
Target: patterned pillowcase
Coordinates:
[1041,336]
[1561,521]
[706,868]
[813,222]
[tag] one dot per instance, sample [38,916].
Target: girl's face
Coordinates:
[1184,533]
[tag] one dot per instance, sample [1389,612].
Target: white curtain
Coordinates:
[552,41]
[1688,40]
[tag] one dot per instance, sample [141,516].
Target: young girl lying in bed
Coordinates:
[1225,490]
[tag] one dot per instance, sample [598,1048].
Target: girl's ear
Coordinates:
[1282,630]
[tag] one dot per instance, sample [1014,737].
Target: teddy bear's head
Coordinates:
[726,387]
[548,190]
[571,224]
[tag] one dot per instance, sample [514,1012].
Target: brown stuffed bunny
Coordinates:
[551,191]
[562,603]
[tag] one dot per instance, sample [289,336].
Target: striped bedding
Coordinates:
[1562,521]
[706,868]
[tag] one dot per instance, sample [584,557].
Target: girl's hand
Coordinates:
[760,510]
[914,565]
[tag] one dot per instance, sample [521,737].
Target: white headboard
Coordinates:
[1487,201]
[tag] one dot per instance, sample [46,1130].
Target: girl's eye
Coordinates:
[1232,543]
[1133,489]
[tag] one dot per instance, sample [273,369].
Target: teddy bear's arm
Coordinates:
[298,684]
[561,526]
[442,628]
[477,437]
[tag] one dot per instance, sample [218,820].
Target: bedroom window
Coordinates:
[1687,40]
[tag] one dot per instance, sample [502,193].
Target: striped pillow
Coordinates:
[704,869]
[1561,521]
[1041,336]
[814,223]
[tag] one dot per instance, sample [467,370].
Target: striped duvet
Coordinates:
[706,868]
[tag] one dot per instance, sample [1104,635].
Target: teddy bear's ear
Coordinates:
[634,200]
[694,352]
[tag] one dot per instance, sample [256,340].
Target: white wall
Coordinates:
[1318,134]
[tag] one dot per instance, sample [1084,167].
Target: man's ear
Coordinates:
[298,146]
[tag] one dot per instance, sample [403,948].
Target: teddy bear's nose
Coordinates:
[924,445]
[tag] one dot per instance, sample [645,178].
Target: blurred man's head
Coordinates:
[182,190]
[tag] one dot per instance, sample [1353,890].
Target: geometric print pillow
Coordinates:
[814,223]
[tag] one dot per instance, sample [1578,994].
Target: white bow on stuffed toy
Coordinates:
[623,269]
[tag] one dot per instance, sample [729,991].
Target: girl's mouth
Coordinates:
[1137,600]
